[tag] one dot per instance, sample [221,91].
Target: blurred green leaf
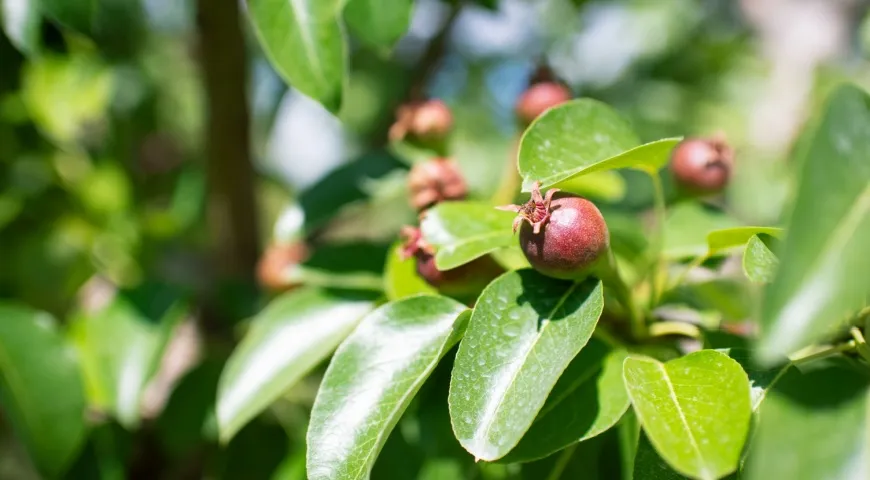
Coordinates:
[21,22]
[285,341]
[463,231]
[182,424]
[588,399]
[695,410]
[687,226]
[351,265]
[41,390]
[379,23]
[720,240]
[114,25]
[824,261]
[524,331]
[649,465]
[759,262]
[723,299]
[121,344]
[65,95]
[400,277]
[373,377]
[342,186]
[813,425]
[305,42]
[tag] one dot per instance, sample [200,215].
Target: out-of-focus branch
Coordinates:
[431,57]
[232,213]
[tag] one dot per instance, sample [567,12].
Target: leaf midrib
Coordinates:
[673,394]
[302,17]
[525,357]
[415,386]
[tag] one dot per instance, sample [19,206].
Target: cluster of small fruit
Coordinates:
[562,235]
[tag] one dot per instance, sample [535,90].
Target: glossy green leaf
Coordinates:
[588,399]
[304,40]
[40,388]
[372,378]
[695,410]
[759,262]
[379,23]
[524,331]
[814,425]
[571,138]
[121,345]
[720,240]
[285,341]
[824,261]
[687,226]
[605,185]
[761,379]
[21,20]
[401,279]
[463,231]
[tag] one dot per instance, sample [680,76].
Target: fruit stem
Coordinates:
[562,462]
[823,352]
[657,272]
[695,263]
[609,274]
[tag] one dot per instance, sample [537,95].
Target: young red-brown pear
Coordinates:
[702,166]
[461,282]
[562,236]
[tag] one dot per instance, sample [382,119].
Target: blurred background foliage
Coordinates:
[105,211]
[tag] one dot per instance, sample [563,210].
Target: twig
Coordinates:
[658,265]
[562,462]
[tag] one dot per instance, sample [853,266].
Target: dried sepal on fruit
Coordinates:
[435,181]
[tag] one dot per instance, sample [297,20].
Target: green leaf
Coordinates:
[21,23]
[305,42]
[759,262]
[373,377]
[687,226]
[813,425]
[379,23]
[400,277]
[649,465]
[720,240]
[41,390]
[115,25]
[823,274]
[606,185]
[285,341]
[695,410]
[761,379]
[64,94]
[588,399]
[572,138]
[121,345]
[524,331]
[463,231]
